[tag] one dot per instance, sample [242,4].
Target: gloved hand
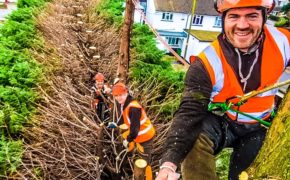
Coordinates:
[107,90]
[125,143]
[112,125]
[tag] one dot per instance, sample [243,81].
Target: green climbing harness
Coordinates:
[222,107]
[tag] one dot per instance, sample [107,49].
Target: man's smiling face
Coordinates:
[243,26]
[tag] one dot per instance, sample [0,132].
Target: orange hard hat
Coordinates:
[99,77]
[223,5]
[119,89]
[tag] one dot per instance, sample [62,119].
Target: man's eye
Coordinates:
[253,17]
[233,17]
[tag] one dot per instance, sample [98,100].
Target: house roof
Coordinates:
[277,8]
[171,33]
[203,7]
[205,36]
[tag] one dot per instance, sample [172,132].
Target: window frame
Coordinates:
[172,41]
[197,20]
[167,16]
[218,22]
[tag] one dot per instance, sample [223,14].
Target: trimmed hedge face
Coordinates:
[19,74]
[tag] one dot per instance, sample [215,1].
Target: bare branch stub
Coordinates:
[64,144]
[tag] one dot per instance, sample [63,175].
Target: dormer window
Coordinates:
[167,16]
[197,20]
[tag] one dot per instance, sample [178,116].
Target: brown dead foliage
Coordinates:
[66,140]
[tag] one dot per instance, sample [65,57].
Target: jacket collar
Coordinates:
[128,100]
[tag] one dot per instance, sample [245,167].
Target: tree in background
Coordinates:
[284,20]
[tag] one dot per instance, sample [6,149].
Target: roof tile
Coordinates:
[203,7]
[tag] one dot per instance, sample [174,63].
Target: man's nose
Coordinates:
[243,23]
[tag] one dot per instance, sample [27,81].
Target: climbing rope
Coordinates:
[225,106]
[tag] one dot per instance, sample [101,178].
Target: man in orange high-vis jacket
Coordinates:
[141,130]
[248,55]
[100,93]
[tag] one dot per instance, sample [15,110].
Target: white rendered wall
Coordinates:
[207,24]
[4,12]
[194,47]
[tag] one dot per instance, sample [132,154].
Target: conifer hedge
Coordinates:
[19,75]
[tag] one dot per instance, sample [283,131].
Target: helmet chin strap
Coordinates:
[264,14]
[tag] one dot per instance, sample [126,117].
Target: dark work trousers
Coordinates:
[220,132]
[148,145]
[103,111]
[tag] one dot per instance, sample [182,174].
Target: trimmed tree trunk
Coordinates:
[139,169]
[273,161]
[124,57]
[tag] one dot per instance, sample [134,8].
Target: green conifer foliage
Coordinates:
[19,75]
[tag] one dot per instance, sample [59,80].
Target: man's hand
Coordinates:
[94,104]
[98,92]
[107,90]
[167,172]
[125,143]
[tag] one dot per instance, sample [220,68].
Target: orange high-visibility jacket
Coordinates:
[275,57]
[146,131]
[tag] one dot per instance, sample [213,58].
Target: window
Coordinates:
[173,41]
[218,21]
[167,16]
[275,13]
[197,20]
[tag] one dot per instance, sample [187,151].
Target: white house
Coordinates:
[172,20]
[6,7]
[140,11]
[205,26]
[198,40]
[279,5]
[169,19]
[138,14]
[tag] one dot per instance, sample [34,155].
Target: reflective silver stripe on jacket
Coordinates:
[242,118]
[215,62]
[142,121]
[144,131]
[268,93]
[282,43]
